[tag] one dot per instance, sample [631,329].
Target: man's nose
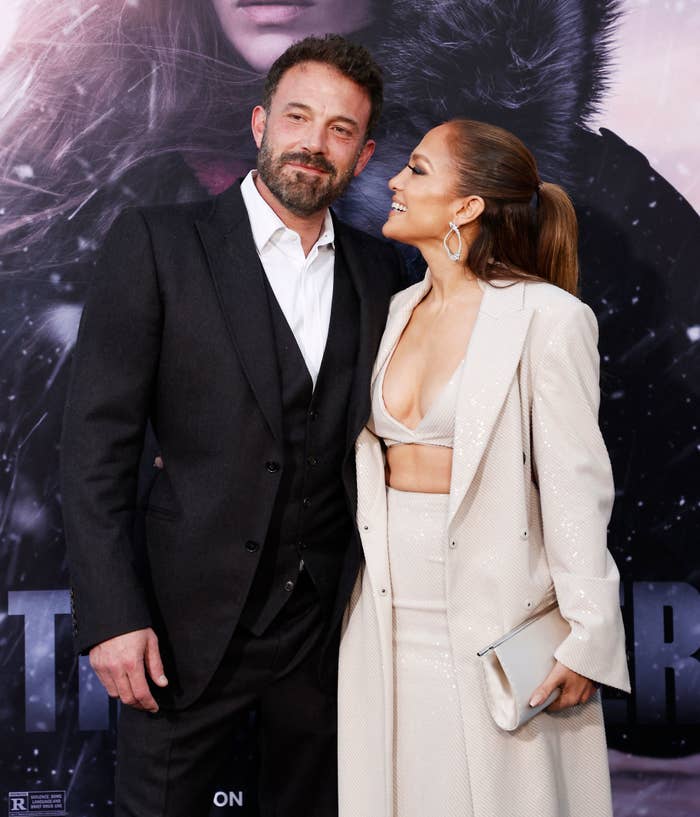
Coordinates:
[314,139]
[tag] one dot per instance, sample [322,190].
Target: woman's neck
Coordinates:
[450,279]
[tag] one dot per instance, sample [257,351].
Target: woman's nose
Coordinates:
[395,181]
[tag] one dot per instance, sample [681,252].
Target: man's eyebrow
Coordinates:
[421,158]
[338,118]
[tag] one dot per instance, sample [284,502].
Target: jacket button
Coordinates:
[313,415]
[307,502]
[312,461]
[302,545]
[272,466]
[251,546]
[289,585]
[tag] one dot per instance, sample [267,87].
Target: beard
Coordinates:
[302,193]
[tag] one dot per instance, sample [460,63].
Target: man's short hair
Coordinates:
[351,59]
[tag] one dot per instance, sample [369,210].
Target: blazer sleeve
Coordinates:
[114,367]
[576,495]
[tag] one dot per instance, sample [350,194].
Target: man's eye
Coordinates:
[415,169]
[297,117]
[342,131]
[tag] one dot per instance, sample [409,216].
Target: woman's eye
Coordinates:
[415,169]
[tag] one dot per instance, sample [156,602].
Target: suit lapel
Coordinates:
[492,360]
[238,280]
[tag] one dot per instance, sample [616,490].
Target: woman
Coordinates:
[498,492]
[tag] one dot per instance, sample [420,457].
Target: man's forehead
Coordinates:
[311,83]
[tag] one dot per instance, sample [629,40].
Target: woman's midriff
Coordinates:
[423,468]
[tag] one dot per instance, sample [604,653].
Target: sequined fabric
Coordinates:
[430,762]
[527,512]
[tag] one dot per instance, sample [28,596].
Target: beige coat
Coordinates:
[526,417]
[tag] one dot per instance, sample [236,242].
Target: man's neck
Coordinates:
[308,228]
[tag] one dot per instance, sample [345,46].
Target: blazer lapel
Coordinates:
[492,359]
[238,280]
[402,307]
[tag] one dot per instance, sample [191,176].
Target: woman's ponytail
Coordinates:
[528,228]
[557,238]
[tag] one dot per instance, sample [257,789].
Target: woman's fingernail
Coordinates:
[537,699]
[162,680]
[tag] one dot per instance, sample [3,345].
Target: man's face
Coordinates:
[312,140]
[260,30]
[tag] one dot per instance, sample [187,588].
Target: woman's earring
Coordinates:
[453,256]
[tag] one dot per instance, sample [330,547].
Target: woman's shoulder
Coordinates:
[551,305]
[543,295]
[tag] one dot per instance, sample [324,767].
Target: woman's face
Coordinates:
[424,202]
[260,30]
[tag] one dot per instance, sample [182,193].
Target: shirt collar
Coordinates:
[265,223]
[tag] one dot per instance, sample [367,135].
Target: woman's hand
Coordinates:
[575,688]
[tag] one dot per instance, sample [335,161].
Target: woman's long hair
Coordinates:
[528,228]
[88,93]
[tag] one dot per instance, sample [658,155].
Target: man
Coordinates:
[244,329]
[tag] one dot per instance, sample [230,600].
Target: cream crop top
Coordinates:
[437,426]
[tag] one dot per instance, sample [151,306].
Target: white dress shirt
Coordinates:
[303,285]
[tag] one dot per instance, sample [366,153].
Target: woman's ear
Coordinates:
[469,209]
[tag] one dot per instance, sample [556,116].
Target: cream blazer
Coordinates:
[530,500]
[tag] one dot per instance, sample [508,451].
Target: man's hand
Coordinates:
[575,688]
[121,664]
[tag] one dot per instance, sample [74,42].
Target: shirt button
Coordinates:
[289,585]
[307,502]
[251,546]
[272,466]
[453,544]
[523,534]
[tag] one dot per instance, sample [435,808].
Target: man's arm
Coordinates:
[109,397]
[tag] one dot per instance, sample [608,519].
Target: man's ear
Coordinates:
[257,123]
[469,210]
[364,157]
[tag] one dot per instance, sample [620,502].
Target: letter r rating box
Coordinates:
[34,803]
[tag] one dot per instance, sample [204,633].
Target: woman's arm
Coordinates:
[576,495]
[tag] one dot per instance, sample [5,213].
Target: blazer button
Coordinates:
[312,461]
[313,415]
[272,466]
[251,546]
[307,502]
[289,585]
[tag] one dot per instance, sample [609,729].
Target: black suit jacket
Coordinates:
[176,330]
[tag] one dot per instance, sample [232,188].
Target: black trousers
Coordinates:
[167,761]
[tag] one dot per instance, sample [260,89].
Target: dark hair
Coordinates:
[528,228]
[351,59]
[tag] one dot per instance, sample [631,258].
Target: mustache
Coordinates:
[308,159]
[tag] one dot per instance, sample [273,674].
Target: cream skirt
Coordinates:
[431,777]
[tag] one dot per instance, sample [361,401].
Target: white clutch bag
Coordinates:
[516,664]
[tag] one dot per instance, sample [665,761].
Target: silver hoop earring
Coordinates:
[453,256]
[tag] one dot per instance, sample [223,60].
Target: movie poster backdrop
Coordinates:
[112,103]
